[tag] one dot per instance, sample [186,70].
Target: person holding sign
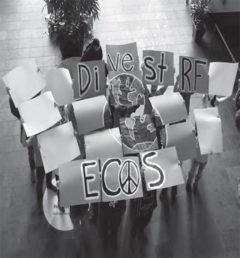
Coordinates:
[93,52]
[15,112]
[141,209]
[197,167]
[40,173]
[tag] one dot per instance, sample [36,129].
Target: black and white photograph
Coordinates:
[120,128]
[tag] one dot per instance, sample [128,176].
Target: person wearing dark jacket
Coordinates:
[15,112]
[93,52]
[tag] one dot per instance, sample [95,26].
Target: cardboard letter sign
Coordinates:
[79,182]
[91,79]
[158,68]
[193,74]
[122,58]
[88,77]
[161,168]
[121,179]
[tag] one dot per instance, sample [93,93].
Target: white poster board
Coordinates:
[89,114]
[209,129]
[80,182]
[161,168]
[103,144]
[24,82]
[182,136]
[59,82]
[121,178]
[58,146]
[122,58]
[39,114]
[221,78]
[169,108]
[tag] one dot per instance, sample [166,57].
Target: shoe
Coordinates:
[212,102]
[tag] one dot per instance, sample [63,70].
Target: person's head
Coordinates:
[93,51]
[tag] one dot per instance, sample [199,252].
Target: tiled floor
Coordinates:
[205,225]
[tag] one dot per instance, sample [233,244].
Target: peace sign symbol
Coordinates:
[129,177]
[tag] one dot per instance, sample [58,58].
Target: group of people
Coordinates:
[111,213]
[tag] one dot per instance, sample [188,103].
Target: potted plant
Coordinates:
[70,22]
[199,9]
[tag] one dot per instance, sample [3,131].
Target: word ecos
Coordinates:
[119,179]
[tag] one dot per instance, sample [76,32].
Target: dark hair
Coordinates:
[90,53]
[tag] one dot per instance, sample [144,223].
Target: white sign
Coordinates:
[104,144]
[59,82]
[39,114]
[209,128]
[89,113]
[221,78]
[169,108]
[58,146]
[24,82]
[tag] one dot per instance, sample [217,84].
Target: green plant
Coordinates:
[199,9]
[69,18]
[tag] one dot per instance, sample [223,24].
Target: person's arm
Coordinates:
[27,141]
[176,85]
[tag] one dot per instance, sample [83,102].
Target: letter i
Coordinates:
[96,78]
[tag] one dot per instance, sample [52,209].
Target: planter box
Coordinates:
[70,47]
